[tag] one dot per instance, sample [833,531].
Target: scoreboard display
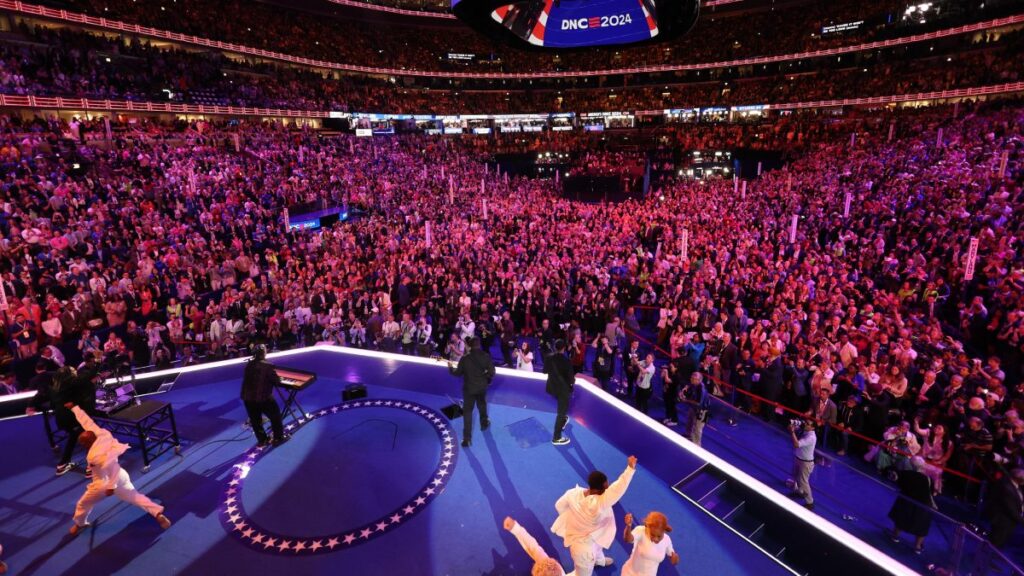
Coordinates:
[569,24]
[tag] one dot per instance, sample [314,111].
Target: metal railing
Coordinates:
[88,104]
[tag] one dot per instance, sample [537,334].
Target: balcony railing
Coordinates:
[114,25]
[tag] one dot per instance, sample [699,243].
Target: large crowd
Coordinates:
[150,251]
[336,38]
[45,61]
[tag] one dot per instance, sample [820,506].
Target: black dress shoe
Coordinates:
[281,440]
[467,443]
[485,426]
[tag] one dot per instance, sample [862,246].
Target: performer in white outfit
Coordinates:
[543,565]
[585,520]
[651,545]
[108,478]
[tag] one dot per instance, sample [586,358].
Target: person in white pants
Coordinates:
[108,478]
[651,545]
[585,520]
[543,565]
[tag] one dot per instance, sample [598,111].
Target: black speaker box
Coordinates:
[452,411]
[353,392]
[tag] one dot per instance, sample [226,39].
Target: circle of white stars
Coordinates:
[238,524]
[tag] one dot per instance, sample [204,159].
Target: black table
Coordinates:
[140,425]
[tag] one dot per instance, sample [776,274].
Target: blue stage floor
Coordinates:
[428,509]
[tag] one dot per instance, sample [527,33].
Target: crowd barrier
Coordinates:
[779,406]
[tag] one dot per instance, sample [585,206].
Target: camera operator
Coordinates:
[424,345]
[804,440]
[643,384]
[699,400]
[631,365]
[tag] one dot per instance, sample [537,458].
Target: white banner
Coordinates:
[485,207]
[426,233]
[3,299]
[972,259]
[684,244]
[758,168]
[792,229]
[846,205]
[892,130]
[853,139]
[743,192]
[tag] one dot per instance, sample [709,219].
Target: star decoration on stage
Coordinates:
[237,522]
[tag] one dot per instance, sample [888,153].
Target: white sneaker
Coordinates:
[561,441]
[671,424]
[605,562]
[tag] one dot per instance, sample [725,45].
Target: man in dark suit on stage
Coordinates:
[559,385]
[477,370]
[258,385]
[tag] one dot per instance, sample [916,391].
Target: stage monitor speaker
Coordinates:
[452,411]
[353,392]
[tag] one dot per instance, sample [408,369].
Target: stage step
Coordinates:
[713,491]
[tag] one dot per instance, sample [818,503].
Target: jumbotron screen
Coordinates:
[578,23]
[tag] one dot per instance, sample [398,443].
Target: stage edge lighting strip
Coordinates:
[838,534]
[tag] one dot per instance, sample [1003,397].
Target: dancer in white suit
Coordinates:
[651,545]
[543,565]
[108,478]
[585,520]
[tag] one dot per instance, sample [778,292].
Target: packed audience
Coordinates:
[64,62]
[153,251]
[336,38]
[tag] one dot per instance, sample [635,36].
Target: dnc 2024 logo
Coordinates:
[597,22]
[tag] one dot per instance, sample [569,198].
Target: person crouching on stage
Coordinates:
[108,478]
[258,385]
[651,545]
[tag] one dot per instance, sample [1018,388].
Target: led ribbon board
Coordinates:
[569,24]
